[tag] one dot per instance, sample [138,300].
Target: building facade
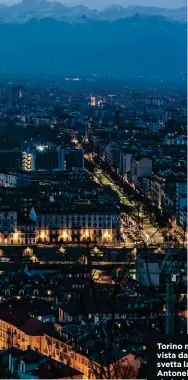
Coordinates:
[181,199]
[75,228]
[141,168]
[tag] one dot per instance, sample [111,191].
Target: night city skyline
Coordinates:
[93,190]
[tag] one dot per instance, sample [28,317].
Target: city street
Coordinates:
[129,221]
[150,233]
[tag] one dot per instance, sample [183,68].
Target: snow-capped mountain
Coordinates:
[39,9]
[128,47]
[116,12]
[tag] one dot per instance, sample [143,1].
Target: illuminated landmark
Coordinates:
[93,101]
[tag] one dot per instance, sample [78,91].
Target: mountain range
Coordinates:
[144,45]
[39,9]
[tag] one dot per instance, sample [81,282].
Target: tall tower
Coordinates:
[20,91]
[93,101]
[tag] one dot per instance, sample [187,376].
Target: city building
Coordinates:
[17,92]
[74,159]
[11,160]
[141,168]
[8,180]
[125,163]
[31,338]
[183,218]
[52,158]
[48,158]
[71,225]
[30,363]
[93,101]
[28,162]
[17,235]
[181,199]
[112,155]
[157,186]
[20,331]
[8,220]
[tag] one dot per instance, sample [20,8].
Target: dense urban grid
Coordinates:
[93,226]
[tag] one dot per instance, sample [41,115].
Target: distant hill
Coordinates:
[129,47]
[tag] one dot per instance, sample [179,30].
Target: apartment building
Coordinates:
[85,222]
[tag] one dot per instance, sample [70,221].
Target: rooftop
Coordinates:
[52,369]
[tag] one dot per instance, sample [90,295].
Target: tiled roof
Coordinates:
[32,327]
[14,318]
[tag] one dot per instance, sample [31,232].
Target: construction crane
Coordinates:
[170,271]
[170,297]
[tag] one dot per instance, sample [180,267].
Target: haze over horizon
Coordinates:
[98,4]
